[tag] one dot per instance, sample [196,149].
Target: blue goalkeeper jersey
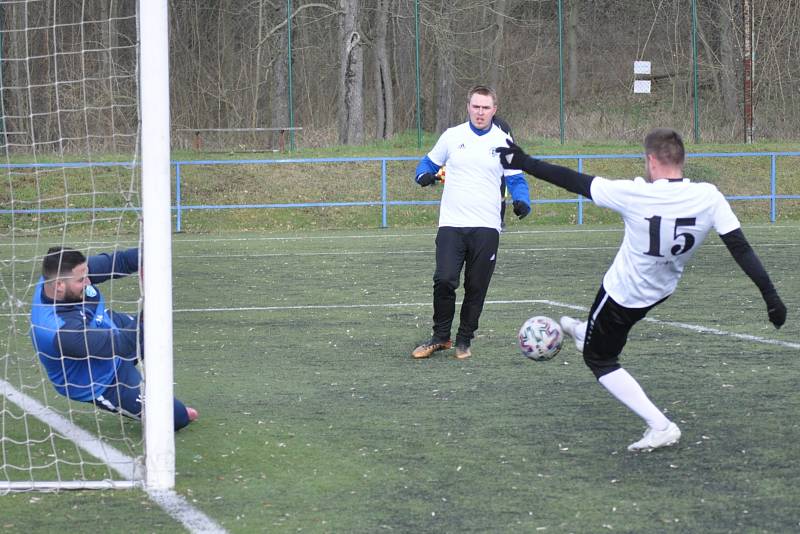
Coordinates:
[81,344]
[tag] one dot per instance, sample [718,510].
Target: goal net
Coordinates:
[72,161]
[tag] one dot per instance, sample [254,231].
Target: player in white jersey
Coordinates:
[469,219]
[666,218]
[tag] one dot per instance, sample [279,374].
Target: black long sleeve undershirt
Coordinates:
[563,177]
[747,259]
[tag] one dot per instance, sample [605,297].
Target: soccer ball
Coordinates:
[540,338]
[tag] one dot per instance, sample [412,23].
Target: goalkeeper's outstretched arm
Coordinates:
[513,157]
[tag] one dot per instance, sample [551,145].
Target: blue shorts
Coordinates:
[125,397]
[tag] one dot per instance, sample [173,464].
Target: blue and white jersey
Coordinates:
[471,196]
[80,343]
[666,221]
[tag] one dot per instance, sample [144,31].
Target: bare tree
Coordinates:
[384,94]
[445,66]
[729,78]
[279,81]
[495,60]
[228,65]
[573,15]
[351,75]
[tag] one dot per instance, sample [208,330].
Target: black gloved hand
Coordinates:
[512,157]
[426,179]
[776,310]
[521,209]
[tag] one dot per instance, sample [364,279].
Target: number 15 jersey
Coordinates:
[666,221]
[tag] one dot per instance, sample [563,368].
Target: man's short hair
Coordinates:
[61,260]
[484,90]
[666,145]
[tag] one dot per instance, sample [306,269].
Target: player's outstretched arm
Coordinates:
[120,263]
[747,259]
[513,157]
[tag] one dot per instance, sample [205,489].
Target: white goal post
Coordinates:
[157,241]
[85,157]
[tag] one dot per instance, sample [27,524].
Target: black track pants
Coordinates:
[475,250]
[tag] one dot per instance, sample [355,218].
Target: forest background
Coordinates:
[352,73]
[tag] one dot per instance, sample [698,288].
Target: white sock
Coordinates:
[580,332]
[628,391]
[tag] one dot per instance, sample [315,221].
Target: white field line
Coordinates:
[223,239]
[177,239]
[568,230]
[505,250]
[176,506]
[354,253]
[685,326]
[126,466]
[390,236]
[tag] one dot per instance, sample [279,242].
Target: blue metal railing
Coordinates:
[384,202]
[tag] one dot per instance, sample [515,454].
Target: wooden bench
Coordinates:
[198,134]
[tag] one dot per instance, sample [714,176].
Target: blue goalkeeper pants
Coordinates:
[125,397]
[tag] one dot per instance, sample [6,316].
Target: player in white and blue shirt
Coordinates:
[469,218]
[666,218]
[88,351]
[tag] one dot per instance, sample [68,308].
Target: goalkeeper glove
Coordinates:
[776,310]
[521,209]
[512,157]
[426,179]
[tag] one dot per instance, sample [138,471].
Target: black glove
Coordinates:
[512,157]
[426,179]
[521,209]
[775,309]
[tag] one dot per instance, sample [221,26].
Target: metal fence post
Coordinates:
[178,196]
[383,194]
[580,197]
[773,190]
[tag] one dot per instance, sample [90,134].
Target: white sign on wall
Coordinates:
[641,67]
[641,86]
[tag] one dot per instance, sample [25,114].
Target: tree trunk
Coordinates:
[495,61]
[279,86]
[703,39]
[729,79]
[445,111]
[445,70]
[572,49]
[351,75]
[384,95]
[14,97]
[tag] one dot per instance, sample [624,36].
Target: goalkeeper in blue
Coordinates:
[667,217]
[88,351]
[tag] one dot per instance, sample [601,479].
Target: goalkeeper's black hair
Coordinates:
[61,260]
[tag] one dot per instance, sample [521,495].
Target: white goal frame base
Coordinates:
[130,469]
